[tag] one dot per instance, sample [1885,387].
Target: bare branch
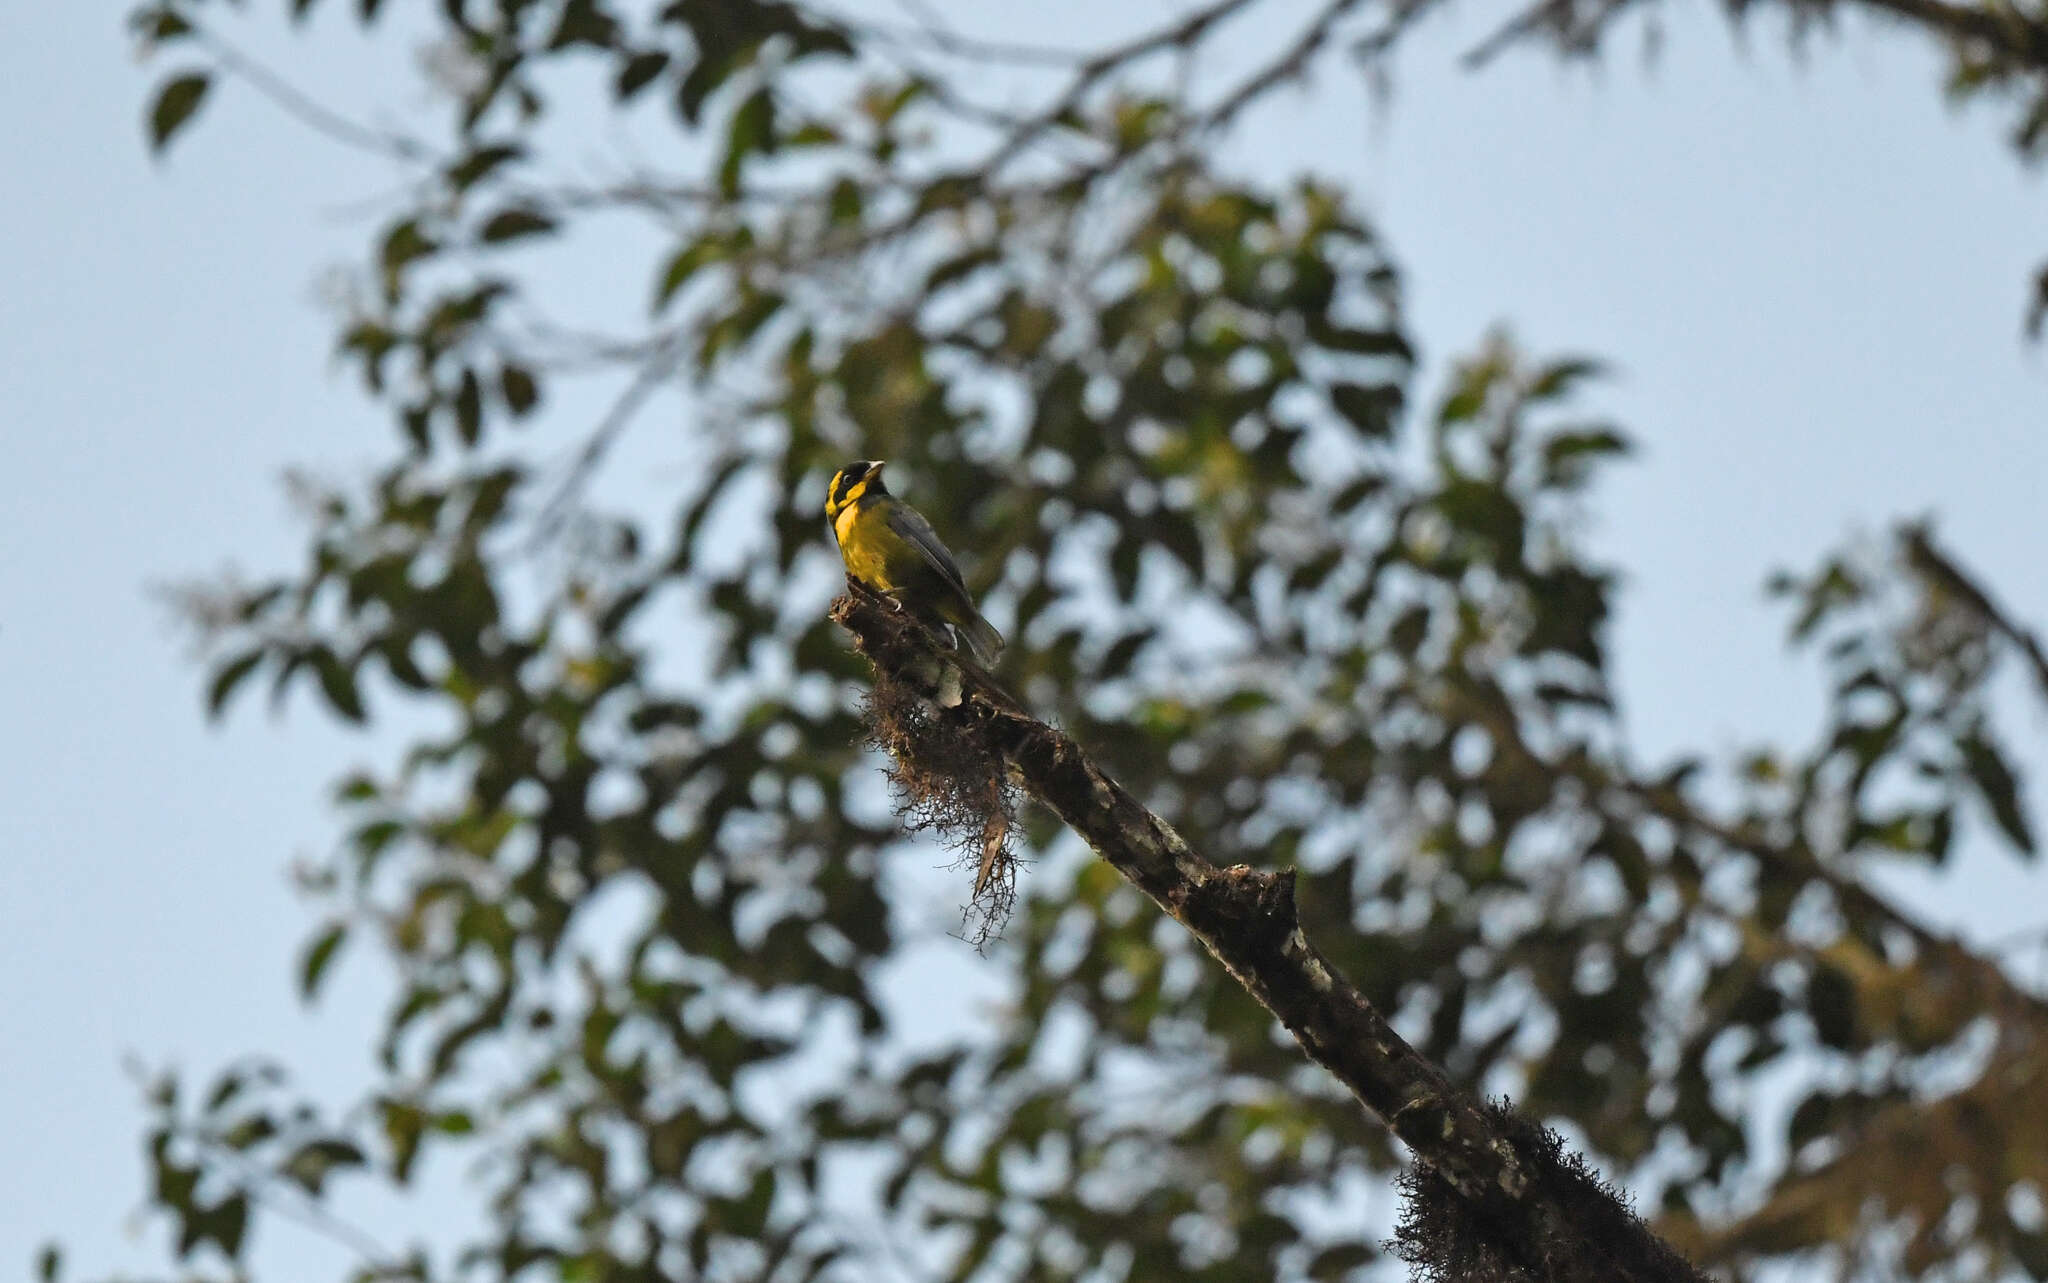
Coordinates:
[656,369]
[1290,65]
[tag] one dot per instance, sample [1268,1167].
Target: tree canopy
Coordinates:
[644,890]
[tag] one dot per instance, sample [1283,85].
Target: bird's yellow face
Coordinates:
[849,485]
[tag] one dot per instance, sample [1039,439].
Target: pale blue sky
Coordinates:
[1809,279]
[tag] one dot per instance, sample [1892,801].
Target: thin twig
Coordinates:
[1549,13]
[1288,66]
[1189,31]
[298,104]
[655,371]
[266,1188]
[933,29]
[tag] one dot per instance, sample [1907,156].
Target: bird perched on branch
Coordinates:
[888,546]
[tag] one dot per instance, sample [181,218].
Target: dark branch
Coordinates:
[1515,1202]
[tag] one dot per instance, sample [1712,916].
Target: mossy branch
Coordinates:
[1493,1196]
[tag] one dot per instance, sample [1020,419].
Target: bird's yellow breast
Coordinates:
[843,523]
[874,553]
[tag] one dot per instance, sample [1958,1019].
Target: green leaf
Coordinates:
[175,103]
[161,25]
[521,393]
[48,1262]
[415,420]
[750,1214]
[737,326]
[338,683]
[1357,492]
[1999,788]
[175,1183]
[717,60]
[227,678]
[585,22]
[481,164]
[403,245]
[753,130]
[469,408]
[1116,661]
[1812,1119]
[404,1124]
[224,1224]
[1406,634]
[1370,409]
[637,72]
[1360,342]
[1559,379]
[847,201]
[686,263]
[512,224]
[1340,1260]
[961,266]
[1560,694]
[249,1132]
[1831,1000]
[225,1089]
[371,343]
[813,133]
[311,1164]
[318,957]
[1568,455]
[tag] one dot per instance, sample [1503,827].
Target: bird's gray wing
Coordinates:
[910,523]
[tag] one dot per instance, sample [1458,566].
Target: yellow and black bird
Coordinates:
[891,548]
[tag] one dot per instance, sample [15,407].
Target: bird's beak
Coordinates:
[874,470]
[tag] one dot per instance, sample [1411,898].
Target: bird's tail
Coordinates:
[983,641]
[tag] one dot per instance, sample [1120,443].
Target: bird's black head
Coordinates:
[861,477]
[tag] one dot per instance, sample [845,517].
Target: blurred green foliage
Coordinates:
[1168,418]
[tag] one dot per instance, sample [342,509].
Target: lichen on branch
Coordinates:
[948,780]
